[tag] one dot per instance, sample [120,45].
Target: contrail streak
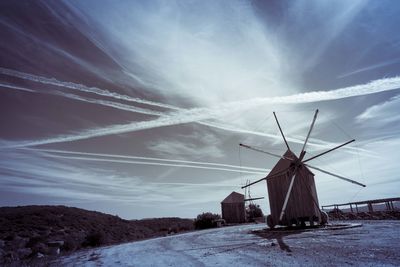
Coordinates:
[199,114]
[320,145]
[79,87]
[17,88]
[156,164]
[372,87]
[146,111]
[190,184]
[130,108]
[376,86]
[106,103]
[372,67]
[146,158]
[111,104]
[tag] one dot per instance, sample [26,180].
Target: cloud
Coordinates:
[233,54]
[105,103]
[156,164]
[223,126]
[54,48]
[79,87]
[14,87]
[382,113]
[62,179]
[377,173]
[371,67]
[200,114]
[309,20]
[172,47]
[148,160]
[177,147]
[372,87]
[196,145]
[27,171]
[229,70]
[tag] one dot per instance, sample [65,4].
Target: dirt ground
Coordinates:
[374,243]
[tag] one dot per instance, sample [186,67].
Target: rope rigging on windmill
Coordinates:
[291,187]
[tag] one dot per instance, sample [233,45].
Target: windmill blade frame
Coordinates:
[266,177]
[335,175]
[330,150]
[280,129]
[288,193]
[302,153]
[265,152]
[291,186]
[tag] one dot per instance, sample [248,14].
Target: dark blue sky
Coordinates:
[137,108]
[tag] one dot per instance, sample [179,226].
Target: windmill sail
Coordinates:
[291,186]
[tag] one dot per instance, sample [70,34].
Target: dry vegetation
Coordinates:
[375,215]
[40,231]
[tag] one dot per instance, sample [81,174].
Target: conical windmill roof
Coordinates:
[234,197]
[283,164]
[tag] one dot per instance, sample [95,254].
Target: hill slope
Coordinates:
[30,231]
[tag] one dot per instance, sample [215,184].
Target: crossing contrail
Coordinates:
[80,87]
[16,87]
[148,159]
[157,164]
[371,67]
[222,126]
[376,86]
[106,103]
[183,116]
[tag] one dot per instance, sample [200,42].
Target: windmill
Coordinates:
[291,186]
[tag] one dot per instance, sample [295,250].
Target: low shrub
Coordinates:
[71,244]
[94,239]
[253,211]
[206,220]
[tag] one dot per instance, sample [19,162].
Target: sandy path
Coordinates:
[375,243]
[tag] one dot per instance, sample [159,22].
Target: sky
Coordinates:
[137,108]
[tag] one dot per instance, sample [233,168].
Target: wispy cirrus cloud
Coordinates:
[332,19]
[176,146]
[371,67]
[204,61]
[39,173]
[211,61]
[106,103]
[79,87]
[15,87]
[147,160]
[195,145]
[382,113]
[264,55]
[379,174]
[80,158]
[199,114]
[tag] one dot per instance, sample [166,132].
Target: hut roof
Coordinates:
[234,197]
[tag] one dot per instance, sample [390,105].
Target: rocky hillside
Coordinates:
[40,231]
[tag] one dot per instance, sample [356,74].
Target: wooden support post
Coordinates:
[370,209]
[391,203]
[351,208]
[357,208]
